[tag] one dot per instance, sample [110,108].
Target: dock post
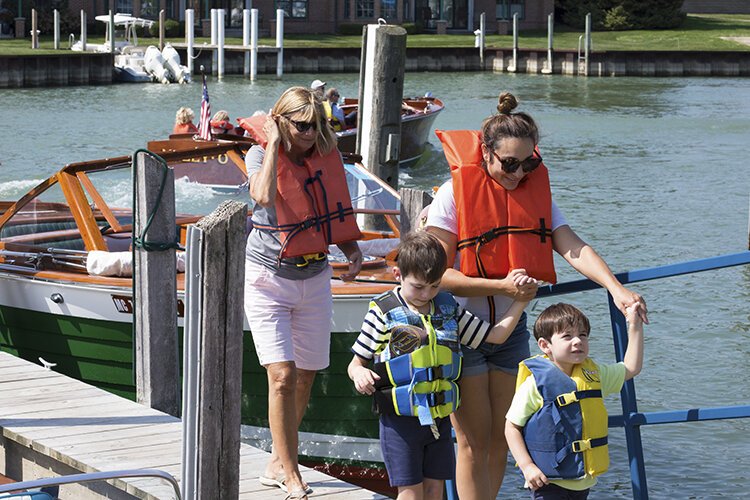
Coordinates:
[111,30]
[214,30]
[246,40]
[514,65]
[413,202]
[162,29]
[381,94]
[190,37]
[220,42]
[34,30]
[155,286]
[482,31]
[213,353]
[587,46]
[56,43]
[83,30]
[253,44]
[547,69]
[279,43]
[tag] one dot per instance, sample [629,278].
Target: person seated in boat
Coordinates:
[220,123]
[408,109]
[319,87]
[415,333]
[560,394]
[334,113]
[183,122]
[288,300]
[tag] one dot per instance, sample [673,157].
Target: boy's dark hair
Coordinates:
[559,317]
[420,254]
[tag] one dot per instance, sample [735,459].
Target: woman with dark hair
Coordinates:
[297,181]
[498,172]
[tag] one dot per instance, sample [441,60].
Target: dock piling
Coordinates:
[83,30]
[214,36]
[279,43]
[246,40]
[413,202]
[220,43]
[34,30]
[111,32]
[56,22]
[155,286]
[190,37]
[547,69]
[513,67]
[162,29]
[253,44]
[213,354]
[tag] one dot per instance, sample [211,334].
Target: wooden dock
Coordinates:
[54,425]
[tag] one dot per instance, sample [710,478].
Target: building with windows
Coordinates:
[327,16]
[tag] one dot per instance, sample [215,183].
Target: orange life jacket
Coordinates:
[313,204]
[498,230]
[185,128]
[222,126]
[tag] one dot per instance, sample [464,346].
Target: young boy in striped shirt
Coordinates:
[415,433]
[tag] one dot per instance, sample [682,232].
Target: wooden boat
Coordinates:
[415,127]
[52,309]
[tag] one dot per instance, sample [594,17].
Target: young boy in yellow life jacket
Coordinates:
[556,426]
[414,334]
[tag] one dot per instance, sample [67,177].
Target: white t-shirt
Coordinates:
[443,215]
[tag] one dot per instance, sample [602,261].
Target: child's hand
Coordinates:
[364,380]
[633,314]
[534,477]
[520,278]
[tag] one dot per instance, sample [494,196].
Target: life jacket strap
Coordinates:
[575,396]
[580,446]
[311,257]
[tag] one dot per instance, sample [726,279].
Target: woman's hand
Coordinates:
[625,298]
[520,286]
[354,255]
[271,130]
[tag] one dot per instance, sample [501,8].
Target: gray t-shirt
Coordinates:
[263,247]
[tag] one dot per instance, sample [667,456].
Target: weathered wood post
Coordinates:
[213,348]
[380,95]
[155,286]
[412,203]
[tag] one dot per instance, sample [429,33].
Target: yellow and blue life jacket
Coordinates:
[335,123]
[567,437]
[421,383]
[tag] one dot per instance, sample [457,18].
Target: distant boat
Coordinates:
[415,128]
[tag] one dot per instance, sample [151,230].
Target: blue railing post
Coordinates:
[629,407]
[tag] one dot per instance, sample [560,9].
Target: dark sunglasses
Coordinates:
[303,127]
[510,165]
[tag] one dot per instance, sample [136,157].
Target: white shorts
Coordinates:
[290,320]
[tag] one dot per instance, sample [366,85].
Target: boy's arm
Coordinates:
[502,330]
[363,378]
[633,359]
[534,477]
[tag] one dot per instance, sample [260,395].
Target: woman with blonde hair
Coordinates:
[183,122]
[297,181]
[498,172]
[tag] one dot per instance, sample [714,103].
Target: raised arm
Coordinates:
[502,330]
[263,183]
[633,359]
[466,286]
[586,261]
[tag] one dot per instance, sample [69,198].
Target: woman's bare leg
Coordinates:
[502,387]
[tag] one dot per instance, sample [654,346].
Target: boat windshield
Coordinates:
[370,194]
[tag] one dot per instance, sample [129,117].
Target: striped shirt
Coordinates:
[374,336]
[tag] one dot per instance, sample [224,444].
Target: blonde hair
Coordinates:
[184,115]
[220,116]
[306,103]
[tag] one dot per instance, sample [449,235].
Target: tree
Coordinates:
[621,14]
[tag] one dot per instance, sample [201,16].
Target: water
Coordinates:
[648,170]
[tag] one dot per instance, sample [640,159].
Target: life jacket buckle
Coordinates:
[485,238]
[308,223]
[566,399]
[311,257]
[437,398]
[582,445]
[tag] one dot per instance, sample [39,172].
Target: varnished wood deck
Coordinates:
[88,430]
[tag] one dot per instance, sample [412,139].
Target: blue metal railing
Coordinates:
[631,419]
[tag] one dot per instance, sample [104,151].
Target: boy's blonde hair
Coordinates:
[559,317]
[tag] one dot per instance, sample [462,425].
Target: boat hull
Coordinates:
[89,337]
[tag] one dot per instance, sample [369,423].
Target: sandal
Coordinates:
[278,482]
[297,495]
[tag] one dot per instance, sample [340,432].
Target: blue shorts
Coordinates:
[411,453]
[504,357]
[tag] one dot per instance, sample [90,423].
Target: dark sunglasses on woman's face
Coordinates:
[303,127]
[510,164]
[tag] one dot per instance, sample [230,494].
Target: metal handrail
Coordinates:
[631,419]
[93,476]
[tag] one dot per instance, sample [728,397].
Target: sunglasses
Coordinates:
[510,165]
[303,127]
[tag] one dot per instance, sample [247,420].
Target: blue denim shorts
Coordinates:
[411,453]
[504,357]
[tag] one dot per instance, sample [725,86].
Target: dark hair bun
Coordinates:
[506,103]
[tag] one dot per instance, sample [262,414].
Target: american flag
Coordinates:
[204,126]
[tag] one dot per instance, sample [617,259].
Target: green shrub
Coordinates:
[621,14]
[350,29]
[172,28]
[616,19]
[411,28]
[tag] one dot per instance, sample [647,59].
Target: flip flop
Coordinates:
[297,495]
[278,482]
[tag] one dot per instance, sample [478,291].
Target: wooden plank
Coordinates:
[412,203]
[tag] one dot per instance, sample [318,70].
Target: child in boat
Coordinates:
[414,333]
[183,122]
[561,393]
